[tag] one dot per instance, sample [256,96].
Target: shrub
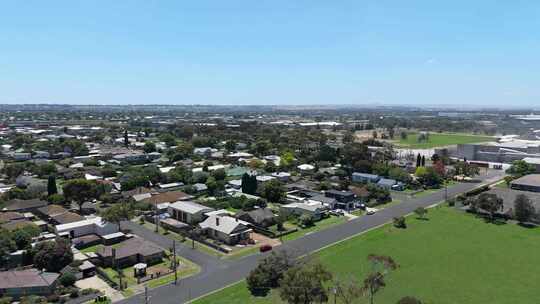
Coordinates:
[399,222]
[68,279]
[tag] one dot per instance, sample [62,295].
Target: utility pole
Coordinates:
[156,219]
[117,269]
[146,295]
[174,262]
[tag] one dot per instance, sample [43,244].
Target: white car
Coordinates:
[370,211]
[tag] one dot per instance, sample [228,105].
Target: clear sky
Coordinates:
[458,52]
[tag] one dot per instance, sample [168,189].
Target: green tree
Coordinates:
[249,183]
[68,279]
[23,236]
[149,147]
[520,168]
[118,212]
[421,212]
[306,220]
[268,273]
[219,174]
[488,202]
[80,191]
[273,191]
[126,138]
[53,256]
[375,281]
[304,283]
[7,245]
[523,208]
[467,169]
[14,170]
[51,185]
[348,290]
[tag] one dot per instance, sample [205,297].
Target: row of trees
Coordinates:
[523,210]
[307,280]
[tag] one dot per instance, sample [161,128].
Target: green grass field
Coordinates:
[451,258]
[440,140]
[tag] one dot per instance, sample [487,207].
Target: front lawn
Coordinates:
[451,258]
[185,268]
[441,140]
[320,225]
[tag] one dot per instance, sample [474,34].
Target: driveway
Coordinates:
[97,283]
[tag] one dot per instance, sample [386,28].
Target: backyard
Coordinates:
[452,257]
[441,140]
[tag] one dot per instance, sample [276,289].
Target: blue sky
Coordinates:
[270,52]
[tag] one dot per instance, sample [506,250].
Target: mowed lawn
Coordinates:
[441,139]
[451,258]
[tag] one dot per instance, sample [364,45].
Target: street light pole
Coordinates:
[174,262]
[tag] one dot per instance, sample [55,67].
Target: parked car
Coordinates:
[265,248]
[337,212]
[370,211]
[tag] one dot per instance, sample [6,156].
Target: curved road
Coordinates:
[216,274]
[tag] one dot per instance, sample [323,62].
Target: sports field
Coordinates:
[440,140]
[451,258]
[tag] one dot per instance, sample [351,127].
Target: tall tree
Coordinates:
[348,290]
[53,255]
[51,185]
[269,272]
[249,183]
[126,139]
[488,202]
[523,208]
[118,212]
[79,191]
[418,160]
[304,284]
[423,160]
[381,265]
[273,191]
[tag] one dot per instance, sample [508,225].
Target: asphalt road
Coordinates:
[216,274]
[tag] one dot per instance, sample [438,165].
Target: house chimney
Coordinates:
[217,221]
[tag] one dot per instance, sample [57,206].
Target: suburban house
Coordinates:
[262,217]
[529,182]
[199,187]
[365,178]
[314,209]
[170,186]
[162,200]
[130,252]
[10,216]
[21,156]
[282,176]
[18,283]
[345,198]
[227,229]
[188,212]
[87,226]
[391,184]
[19,205]
[56,215]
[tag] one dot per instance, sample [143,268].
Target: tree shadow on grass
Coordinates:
[527,225]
